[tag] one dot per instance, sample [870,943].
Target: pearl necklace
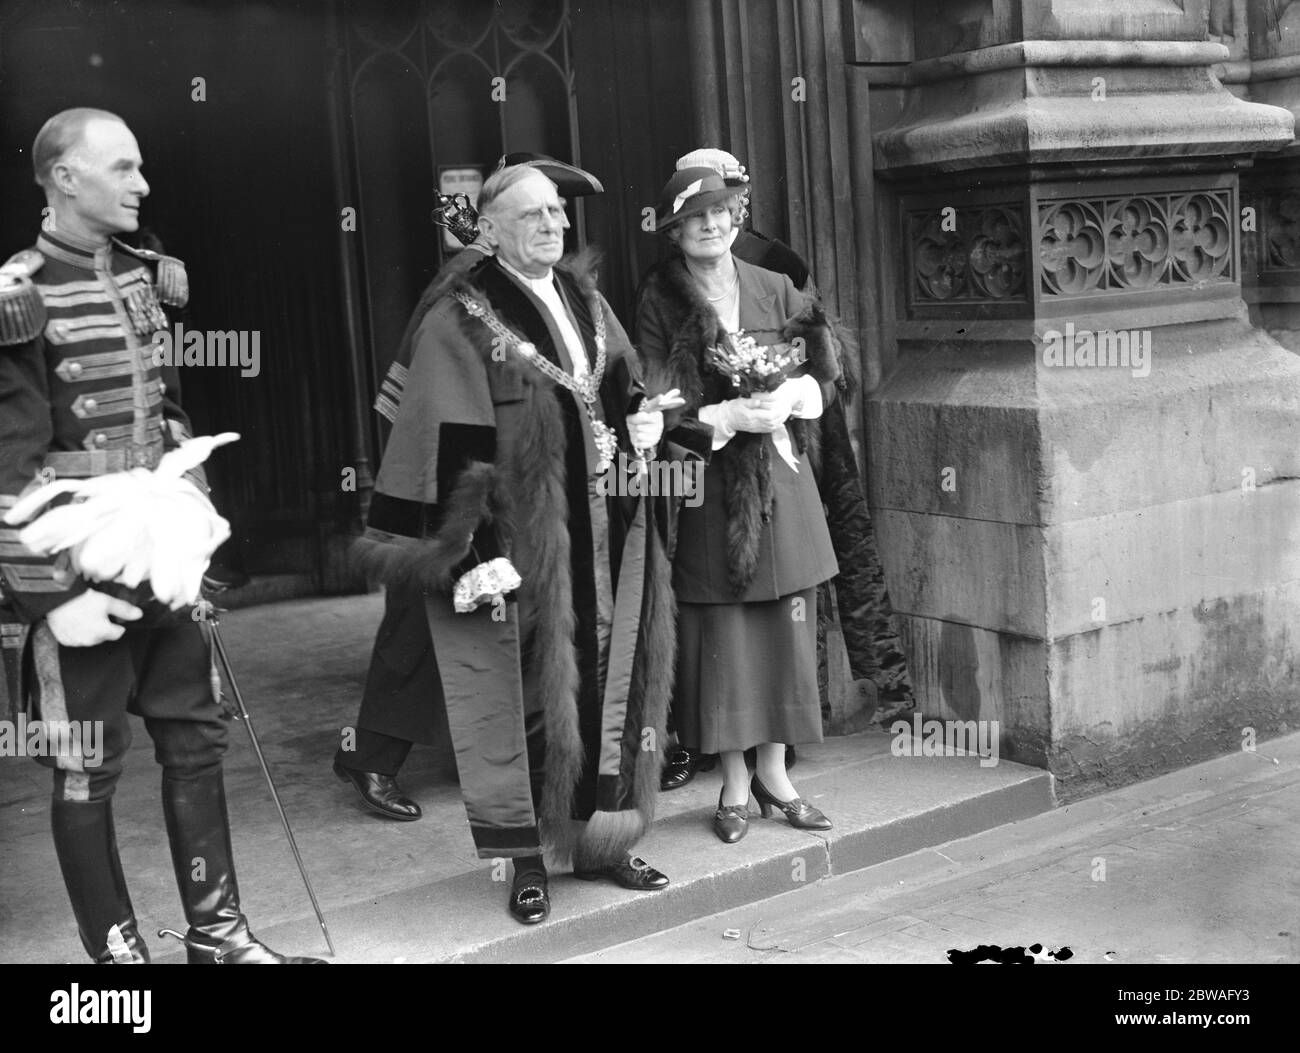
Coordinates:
[730,289]
[699,280]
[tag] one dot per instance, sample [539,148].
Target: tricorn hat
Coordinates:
[688,193]
[569,180]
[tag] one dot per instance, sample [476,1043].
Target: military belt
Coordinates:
[84,464]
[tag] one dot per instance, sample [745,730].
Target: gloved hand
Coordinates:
[645,429]
[785,397]
[84,620]
[799,397]
[760,414]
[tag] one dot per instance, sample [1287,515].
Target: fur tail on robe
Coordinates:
[608,836]
[429,563]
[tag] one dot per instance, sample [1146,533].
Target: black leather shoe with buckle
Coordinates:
[683,765]
[380,793]
[634,873]
[530,901]
[681,768]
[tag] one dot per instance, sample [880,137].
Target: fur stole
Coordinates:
[746,460]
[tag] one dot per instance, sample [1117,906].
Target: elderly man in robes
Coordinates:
[522,392]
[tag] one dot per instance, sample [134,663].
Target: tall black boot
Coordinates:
[86,844]
[199,831]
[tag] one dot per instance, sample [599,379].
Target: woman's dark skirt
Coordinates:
[747,673]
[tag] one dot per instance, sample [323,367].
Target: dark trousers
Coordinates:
[402,703]
[160,670]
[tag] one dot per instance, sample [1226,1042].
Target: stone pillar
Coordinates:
[1103,558]
[1264,43]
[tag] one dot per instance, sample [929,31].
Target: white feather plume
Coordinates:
[134,526]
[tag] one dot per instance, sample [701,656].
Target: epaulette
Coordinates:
[22,311]
[169,276]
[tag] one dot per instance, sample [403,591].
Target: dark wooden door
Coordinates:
[456,84]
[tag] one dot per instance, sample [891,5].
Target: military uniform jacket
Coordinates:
[80,392]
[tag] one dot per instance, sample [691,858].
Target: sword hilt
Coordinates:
[208,613]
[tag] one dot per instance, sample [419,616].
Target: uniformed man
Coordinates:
[80,396]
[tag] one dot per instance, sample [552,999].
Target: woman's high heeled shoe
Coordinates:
[731,822]
[802,815]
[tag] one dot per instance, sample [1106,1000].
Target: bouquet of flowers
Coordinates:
[754,369]
[751,367]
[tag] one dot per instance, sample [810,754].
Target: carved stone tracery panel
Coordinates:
[1174,238]
[1114,244]
[982,259]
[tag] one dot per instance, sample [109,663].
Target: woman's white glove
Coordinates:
[755,415]
[766,414]
[759,414]
[800,397]
[645,429]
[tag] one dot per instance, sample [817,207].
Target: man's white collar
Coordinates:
[546,279]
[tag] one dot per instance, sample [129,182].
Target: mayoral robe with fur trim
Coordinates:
[489,457]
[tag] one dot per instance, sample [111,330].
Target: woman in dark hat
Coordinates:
[750,555]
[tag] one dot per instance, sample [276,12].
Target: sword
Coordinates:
[210,612]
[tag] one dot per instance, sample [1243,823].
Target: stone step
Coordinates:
[416,890]
[883,807]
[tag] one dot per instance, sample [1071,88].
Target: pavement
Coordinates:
[1198,866]
[415,892]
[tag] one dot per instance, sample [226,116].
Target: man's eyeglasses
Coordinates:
[534,217]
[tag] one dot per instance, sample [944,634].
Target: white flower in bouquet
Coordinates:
[753,367]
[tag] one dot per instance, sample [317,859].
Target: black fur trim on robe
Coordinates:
[528,493]
[433,564]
